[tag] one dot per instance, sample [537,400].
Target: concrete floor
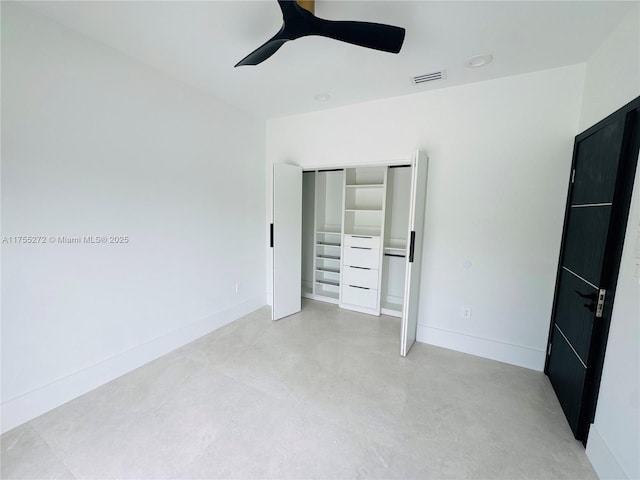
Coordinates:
[322,394]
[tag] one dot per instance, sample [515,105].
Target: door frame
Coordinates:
[612,258]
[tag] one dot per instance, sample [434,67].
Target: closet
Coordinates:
[361,233]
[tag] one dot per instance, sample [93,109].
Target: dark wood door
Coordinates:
[604,162]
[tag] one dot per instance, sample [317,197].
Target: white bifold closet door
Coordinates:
[286,240]
[412,273]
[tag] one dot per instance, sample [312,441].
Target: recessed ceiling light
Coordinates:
[479,60]
[321,97]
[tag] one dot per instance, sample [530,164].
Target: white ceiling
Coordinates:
[200,42]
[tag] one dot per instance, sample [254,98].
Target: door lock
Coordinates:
[600,306]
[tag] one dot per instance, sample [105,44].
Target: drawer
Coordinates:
[362,297]
[362,241]
[361,257]
[360,276]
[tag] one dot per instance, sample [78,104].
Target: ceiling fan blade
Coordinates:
[387,38]
[263,52]
[299,22]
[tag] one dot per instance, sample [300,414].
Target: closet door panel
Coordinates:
[414,264]
[286,240]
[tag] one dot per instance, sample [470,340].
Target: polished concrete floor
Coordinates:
[322,394]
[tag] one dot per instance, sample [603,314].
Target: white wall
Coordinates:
[612,80]
[94,143]
[613,72]
[500,154]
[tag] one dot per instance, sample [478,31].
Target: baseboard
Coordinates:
[21,409]
[356,308]
[483,347]
[602,459]
[321,298]
[391,313]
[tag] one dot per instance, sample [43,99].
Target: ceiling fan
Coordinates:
[299,21]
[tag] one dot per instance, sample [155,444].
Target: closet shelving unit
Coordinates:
[357,210]
[364,212]
[327,263]
[364,197]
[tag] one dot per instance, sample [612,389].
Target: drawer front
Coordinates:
[367,298]
[360,277]
[361,257]
[362,241]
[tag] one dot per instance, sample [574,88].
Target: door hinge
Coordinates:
[573,175]
[549,349]
[600,306]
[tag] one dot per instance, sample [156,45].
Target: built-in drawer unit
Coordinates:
[360,296]
[360,272]
[362,241]
[360,276]
[362,257]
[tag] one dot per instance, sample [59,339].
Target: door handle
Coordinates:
[412,245]
[596,303]
[591,306]
[589,296]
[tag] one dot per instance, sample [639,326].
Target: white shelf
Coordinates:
[365,176]
[396,243]
[328,232]
[328,291]
[363,210]
[365,185]
[328,270]
[328,282]
[327,257]
[364,230]
[327,244]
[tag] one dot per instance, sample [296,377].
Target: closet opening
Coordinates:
[355,224]
[360,233]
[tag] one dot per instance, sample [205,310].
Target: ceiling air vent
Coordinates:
[427,77]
